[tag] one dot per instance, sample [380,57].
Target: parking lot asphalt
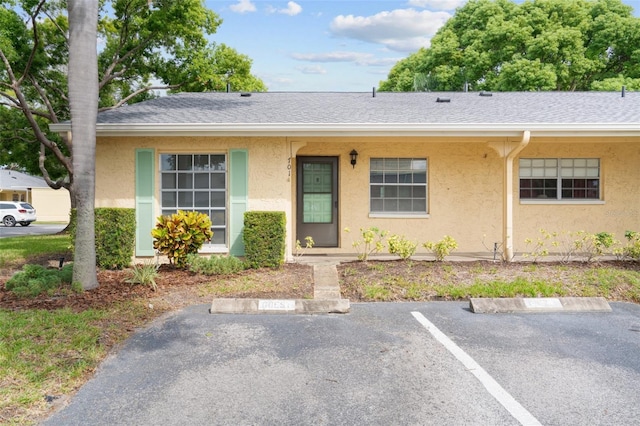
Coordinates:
[378,364]
[33,229]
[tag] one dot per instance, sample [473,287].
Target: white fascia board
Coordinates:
[360,129]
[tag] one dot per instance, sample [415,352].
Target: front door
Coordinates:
[317,205]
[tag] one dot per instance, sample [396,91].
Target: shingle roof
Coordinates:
[338,110]
[385,107]
[10,179]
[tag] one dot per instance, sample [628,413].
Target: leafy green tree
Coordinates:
[143,47]
[534,45]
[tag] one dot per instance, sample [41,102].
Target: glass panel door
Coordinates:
[317,194]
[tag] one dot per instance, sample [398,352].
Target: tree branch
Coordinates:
[55,23]
[137,92]
[60,183]
[45,99]
[36,40]
[20,102]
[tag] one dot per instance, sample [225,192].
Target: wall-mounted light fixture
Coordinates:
[354,157]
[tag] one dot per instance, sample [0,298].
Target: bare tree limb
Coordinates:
[57,184]
[45,99]
[137,92]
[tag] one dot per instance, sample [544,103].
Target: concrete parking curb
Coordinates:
[280,306]
[544,304]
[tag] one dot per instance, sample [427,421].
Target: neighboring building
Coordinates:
[484,168]
[51,205]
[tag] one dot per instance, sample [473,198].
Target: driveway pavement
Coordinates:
[386,363]
[33,229]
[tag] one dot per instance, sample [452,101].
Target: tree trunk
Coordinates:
[83,101]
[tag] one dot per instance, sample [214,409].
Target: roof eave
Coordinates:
[358,129]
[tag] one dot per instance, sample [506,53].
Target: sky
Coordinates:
[330,45]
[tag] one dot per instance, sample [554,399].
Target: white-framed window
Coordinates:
[398,185]
[560,178]
[196,182]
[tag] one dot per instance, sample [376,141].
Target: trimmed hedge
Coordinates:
[264,238]
[115,236]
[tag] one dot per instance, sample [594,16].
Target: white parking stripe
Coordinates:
[502,396]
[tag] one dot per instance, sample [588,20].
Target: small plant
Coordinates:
[593,245]
[371,242]
[568,244]
[402,247]
[300,250]
[442,248]
[563,244]
[181,233]
[34,280]
[349,272]
[215,265]
[539,248]
[144,274]
[632,248]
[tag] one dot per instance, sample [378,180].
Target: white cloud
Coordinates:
[437,4]
[403,30]
[312,70]
[243,6]
[292,9]
[365,59]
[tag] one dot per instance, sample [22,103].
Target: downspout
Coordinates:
[508,196]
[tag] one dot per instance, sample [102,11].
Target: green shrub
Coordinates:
[442,248]
[180,234]
[402,247]
[115,230]
[592,245]
[144,274]
[264,238]
[567,244]
[215,265]
[371,242]
[34,280]
[632,249]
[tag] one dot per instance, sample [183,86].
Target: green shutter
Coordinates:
[145,177]
[238,198]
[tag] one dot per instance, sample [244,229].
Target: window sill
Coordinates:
[566,202]
[213,250]
[400,215]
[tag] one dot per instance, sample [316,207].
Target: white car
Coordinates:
[12,212]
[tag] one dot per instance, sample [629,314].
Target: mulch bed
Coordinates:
[176,288]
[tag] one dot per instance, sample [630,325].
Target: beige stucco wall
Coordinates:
[51,205]
[620,192]
[465,184]
[464,190]
[269,175]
